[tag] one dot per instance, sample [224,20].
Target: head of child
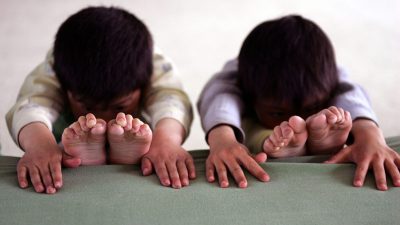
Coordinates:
[287,67]
[103,60]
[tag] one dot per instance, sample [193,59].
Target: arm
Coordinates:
[355,101]
[220,110]
[220,101]
[30,122]
[169,111]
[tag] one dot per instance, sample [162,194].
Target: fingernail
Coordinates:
[357,183]
[57,184]
[383,187]
[166,182]
[50,190]
[224,184]
[265,178]
[39,188]
[397,183]
[176,186]
[23,184]
[243,184]
[185,182]
[145,171]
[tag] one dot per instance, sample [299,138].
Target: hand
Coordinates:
[370,151]
[173,165]
[228,154]
[41,161]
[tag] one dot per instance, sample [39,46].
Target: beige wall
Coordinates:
[201,35]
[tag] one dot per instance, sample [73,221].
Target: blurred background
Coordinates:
[199,36]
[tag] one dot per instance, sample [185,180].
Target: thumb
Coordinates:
[147,167]
[342,156]
[70,161]
[260,157]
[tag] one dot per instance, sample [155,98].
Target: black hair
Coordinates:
[289,59]
[101,53]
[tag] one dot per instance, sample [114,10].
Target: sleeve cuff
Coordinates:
[29,115]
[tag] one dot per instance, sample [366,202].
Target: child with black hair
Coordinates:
[100,78]
[290,98]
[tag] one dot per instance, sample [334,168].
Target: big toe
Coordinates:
[297,124]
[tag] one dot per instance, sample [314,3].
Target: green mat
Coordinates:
[298,193]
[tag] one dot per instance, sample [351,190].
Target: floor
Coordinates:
[201,35]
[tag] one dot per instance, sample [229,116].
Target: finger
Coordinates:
[210,171]
[397,162]
[47,179]
[222,174]
[237,173]
[147,167]
[360,173]
[340,157]
[83,123]
[121,119]
[55,169]
[260,157]
[21,173]
[70,161]
[174,175]
[394,172]
[36,180]
[162,173]
[255,169]
[183,173]
[191,167]
[380,176]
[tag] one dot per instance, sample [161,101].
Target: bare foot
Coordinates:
[288,139]
[129,139]
[84,142]
[328,130]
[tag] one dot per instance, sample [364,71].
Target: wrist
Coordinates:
[221,134]
[365,130]
[169,130]
[36,136]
